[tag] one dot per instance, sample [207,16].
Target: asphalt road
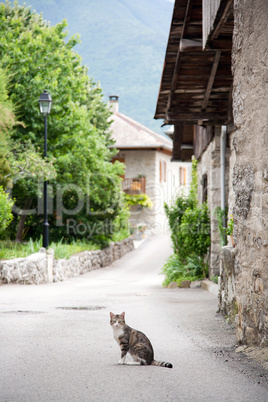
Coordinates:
[56,342]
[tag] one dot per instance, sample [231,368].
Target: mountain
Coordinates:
[123,43]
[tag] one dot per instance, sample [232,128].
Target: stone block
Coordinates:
[250,335]
[172,285]
[210,287]
[107,256]
[50,258]
[185,284]
[195,284]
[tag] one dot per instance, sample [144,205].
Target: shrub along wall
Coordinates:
[42,267]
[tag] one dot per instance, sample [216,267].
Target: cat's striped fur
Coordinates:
[133,342]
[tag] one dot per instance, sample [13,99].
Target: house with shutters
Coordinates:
[214,90]
[148,168]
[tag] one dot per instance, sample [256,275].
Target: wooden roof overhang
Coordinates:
[196,84]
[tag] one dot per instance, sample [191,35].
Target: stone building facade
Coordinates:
[249,175]
[230,56]
[148,155]
[244,270]
[210,177]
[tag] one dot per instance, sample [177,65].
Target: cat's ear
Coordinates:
[111,315]
[123,315]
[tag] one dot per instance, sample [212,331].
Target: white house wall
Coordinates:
[147,163]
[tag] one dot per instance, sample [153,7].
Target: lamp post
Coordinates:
[45,101]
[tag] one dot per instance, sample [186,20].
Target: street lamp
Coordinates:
[45,101]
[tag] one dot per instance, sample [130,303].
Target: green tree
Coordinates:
[5,210]
[38,57]
[7,120]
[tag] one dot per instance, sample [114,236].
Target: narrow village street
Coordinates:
[57,343]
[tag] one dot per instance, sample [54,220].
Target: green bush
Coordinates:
[5,210]
[139,199]
[177,270]
[190,234]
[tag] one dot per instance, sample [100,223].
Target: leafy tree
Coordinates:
[37,57]
[5,210]
[17,159]
[7,120]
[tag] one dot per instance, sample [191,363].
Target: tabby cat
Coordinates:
[133,342]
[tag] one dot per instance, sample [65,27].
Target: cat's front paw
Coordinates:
[121,361]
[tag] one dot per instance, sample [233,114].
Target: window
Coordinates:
[204,188]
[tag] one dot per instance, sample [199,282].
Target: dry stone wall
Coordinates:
[250,178]
[42,267]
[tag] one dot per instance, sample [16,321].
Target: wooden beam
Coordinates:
[177,141]
[178,60]
[188,45]
[187,18]
[223,19]
[207,117]
[220,44]
[211,80]
[230,106]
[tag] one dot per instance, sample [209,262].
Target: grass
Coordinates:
[123,234]
[10,249]
[62,250]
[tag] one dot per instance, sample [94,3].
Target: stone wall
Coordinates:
[42,267]
[250,173]
[227,289]
[231,163]
[209,165]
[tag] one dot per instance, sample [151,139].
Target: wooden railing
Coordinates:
[134,186]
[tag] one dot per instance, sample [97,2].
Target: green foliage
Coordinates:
[37,57]
[27,162]
[221,215]
[17,160]
[190,233]
[214,279]
[139,199]
[114,34]
[195,231]
[5,210]
[123,234]
[224,231]
[9,249]
[230,227]
[63,250]
[177,270]
[7,120]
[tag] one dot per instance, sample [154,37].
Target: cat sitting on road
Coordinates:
[133,342]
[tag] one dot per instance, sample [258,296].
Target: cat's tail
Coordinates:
[161,364]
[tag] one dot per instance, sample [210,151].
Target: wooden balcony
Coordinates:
[134,186]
